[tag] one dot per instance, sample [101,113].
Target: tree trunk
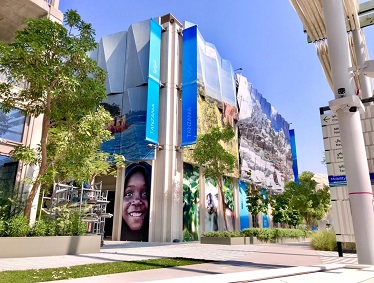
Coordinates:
[30,200]
[254,221]
[220,185]
[43,163]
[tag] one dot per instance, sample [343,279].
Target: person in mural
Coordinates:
[136,198]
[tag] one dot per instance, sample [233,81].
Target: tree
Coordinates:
[282,212]
[215,160]
[256,202]
[63,84]
[311,203]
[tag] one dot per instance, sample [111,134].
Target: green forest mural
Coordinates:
[191,201]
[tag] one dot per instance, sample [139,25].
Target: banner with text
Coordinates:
[153,100]
[189,86]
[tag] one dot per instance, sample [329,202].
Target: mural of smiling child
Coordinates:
[135,212]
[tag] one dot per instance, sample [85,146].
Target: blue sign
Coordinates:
[153,99]
[295,168]
[189,86]
[337,181]
[265,221]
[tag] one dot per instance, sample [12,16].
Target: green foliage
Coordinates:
[300,202]
[310,203]
[324,240]
[74,152]
[66,87]
[256,201]
[2,228]
[17,226]
[272,234]
[215,160]
[224,234]
[40,228]
[26,154]
[210,154]
[191,194]
[282,212]
[87,270]
[10,207]
[65,222]
[228,188]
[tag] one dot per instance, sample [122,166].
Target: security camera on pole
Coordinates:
[348,106]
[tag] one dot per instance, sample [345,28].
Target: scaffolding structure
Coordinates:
[89,200]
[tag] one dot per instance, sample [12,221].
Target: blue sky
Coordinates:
[264,37]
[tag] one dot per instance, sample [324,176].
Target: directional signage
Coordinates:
[341,212]
[329,119]
[335,143]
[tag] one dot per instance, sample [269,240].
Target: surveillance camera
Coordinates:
[353,109]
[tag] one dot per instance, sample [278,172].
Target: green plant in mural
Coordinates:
[229,192]
[191,195]
[215,160]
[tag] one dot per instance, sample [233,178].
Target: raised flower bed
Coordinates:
[48,246]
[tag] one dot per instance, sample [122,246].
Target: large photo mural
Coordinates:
[264,144]
[211,200]
[229,203]
[208,92]
[136,199]
[132,61]
[191,203]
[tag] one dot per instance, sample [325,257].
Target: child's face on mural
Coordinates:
[135,201]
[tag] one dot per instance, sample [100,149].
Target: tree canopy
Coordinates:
[302,200]
[257,202]
[215,160]
[64,86]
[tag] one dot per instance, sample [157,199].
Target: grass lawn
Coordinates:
[51,274]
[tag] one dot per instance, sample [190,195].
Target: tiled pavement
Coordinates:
[249,262]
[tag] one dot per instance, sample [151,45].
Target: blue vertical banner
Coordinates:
[265,221]
[244,214]
[153,99]
[294,156]
[189,86]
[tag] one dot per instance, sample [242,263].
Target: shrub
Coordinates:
[224,234]
[78,227]
[272,234]
[2,228]
[324,240]
[18,226]
[349,247]
[40,228]
[65,222]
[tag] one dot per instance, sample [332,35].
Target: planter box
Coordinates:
[289,240]
[254,240]
[222,240]
[48,246]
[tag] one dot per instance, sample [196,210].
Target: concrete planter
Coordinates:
[289,240]
[222,240]
[254,240]
[48,246]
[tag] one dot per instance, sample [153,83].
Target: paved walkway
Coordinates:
[262,261]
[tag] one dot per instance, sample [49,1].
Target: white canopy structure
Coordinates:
[356,16]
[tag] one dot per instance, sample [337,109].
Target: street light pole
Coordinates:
[347,106]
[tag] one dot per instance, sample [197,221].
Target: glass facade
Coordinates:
[8,173]
[12,125]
